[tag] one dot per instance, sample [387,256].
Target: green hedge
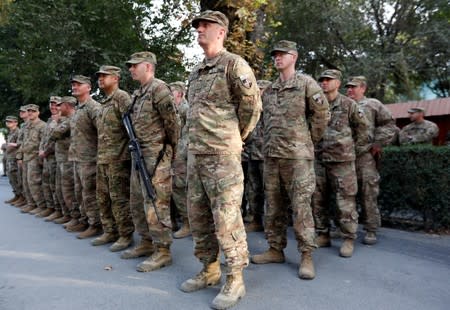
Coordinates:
[415,186]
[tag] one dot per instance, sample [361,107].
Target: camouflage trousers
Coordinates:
[12,171]
[293,179]
[34,182]
[179,187]
[49,182]
[339,178]
[368,185]
[25,189]
[113,196]
[64,171]
[85,192]
[215,189]
[255,185]
[157,214]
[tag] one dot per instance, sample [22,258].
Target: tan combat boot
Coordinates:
[209,276]
[77,228]
[184,231]
[323,240]
[92,231]
[27,208]
[55,215]
[12,200]
[45,213]
[20,203]
[160,258]
[270,256]
[37,210]
[346,249]
[71,223]
[62,220]
[121,244]
[105,238]
[306,270]
[144,248]
[254,226]
[370,238]
[231,292]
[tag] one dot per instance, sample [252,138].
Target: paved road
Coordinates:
[44,267]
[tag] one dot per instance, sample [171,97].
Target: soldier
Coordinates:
[47,154]
[29,157]
[70,212]
[256,171]
[295,116]
[23,114]
[113,163]
[420,131]
[157,129]
[382,131]
[344,138]
[224,108]
[179,164]
[10,154]
[83,152]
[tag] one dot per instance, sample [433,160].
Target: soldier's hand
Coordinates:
[41,154]
[376,150]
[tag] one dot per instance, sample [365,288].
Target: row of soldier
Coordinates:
[304,141]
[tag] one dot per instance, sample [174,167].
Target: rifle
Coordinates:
[138,158]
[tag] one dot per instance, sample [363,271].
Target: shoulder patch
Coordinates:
[245,81]
[317,98]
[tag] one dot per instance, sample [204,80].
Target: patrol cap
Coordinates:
[81,79]
[356,81]
[416,110]
[55,99]
[331,74]
[212,17]
[23,108]
[33,107]
[139,57]
[284,46]
[180,86]
[68,99]
[263,84]
[11,118]
[109,70]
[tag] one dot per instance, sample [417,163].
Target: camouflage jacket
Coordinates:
[418,133]
[112,136]
[225,105]
[382,129]
[155,118]
[47,145]
[22,131]
[83,132]
[183,142]
[61,136]
[296,115]
[32,139]
[11,152]
[347,132]
[255,142]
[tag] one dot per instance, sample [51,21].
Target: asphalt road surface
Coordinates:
[44,267]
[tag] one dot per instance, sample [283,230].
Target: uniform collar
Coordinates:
[212,61]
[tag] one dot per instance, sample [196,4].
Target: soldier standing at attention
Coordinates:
[11,164]
[345,137]
[23,114]
[113,163]
[33,164]
[83,152]
[179,164]
[224,108]
[295,116]
[420,131]
[382,131]
[157,129]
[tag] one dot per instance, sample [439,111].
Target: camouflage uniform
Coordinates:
[224,108]
[382,131]
[295,116]
[12,169]
[345,136]
[180,165]
[83,152]
[32,163]
[418,133]
[49,167]
[157,128]
[65,188]
[114,166]
[22,169]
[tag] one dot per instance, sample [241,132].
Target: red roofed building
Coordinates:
[436,110]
